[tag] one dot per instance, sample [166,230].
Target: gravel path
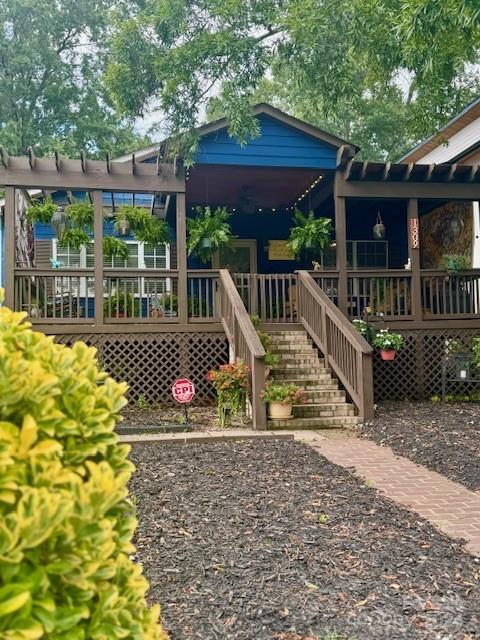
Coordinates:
[269,540]
[442,437]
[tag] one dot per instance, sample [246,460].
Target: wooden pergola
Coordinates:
[94,177]
[411,182]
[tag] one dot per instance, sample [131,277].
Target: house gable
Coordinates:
[278,145]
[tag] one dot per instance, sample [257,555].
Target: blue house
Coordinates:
[160,314]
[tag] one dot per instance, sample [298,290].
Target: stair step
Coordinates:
[321,395]
[323,410]
[293,349]
[300,378]
[308,384]
[312,367]
[300,359]
[314,423]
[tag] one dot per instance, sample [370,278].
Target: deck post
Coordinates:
[341,249]
[97,199]
[414,255]
[182,259]
[9,230]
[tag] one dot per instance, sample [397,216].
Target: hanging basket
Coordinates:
[206,243]
[123,227]
[379,228]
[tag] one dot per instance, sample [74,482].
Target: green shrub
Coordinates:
[66,522]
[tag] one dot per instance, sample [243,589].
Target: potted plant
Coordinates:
[453,263]
[208,232]
[280,398]
[231,384]
[388,343]
[121,305]
[310,234]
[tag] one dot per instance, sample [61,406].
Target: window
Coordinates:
[140,257]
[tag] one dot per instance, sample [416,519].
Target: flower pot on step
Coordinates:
[279,411]
[388,355]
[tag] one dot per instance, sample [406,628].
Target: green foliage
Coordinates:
[208,227]
[455,263]
[74,238]
[80,214]
[476,352]
[309,234]
[283,393]
[66,523]
[381,73]
[41,211]
[145,227]
[231,384]
[52,58]
[121,304]
[388,341]
[115,248]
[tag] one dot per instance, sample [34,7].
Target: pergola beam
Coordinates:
[47,173]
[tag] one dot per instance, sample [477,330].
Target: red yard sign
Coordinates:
[183,390]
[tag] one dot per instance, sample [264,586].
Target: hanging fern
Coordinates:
[41,211]
[211,226]
[144,226]
[80,214]
[74,238]
[310,233]
[115,248]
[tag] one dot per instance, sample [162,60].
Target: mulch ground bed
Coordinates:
[200,418]
[270,541]
[441,436]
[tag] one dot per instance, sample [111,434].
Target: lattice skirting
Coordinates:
[151,362]
[416,372]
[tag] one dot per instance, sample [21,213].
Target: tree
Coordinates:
[387,72]
[52,56]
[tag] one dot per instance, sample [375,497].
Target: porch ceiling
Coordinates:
[267,187]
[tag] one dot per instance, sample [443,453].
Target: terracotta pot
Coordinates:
[388,355]
[279,411]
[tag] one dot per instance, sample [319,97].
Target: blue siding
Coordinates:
[278,145]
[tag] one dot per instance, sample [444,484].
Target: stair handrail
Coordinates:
[345,350]
[244,342]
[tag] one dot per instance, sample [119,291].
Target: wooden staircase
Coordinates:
[325,404]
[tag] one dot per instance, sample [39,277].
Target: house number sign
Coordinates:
[414,233]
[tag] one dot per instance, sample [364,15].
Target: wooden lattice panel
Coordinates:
[416,372]
[151,362]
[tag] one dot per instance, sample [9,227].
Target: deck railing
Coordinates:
[272,296]
[450,296]
[344,349]
[55,296]
[130,296]
[384,292]
[244,342]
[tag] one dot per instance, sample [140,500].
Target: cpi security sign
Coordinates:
[183,390]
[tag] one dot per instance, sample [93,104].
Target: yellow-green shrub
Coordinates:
[66,523]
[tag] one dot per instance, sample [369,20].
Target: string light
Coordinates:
[305,193]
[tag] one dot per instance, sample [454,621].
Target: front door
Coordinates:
[241,257]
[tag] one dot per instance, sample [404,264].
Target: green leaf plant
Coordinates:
[208,232]
[66,521]
[309,233]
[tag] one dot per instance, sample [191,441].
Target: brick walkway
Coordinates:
[447,504]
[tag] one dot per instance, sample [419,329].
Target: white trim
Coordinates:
[476,236]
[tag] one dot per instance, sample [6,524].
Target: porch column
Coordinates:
[182,260]
[414,255]
[9,230]
[97,198]
[341,250]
